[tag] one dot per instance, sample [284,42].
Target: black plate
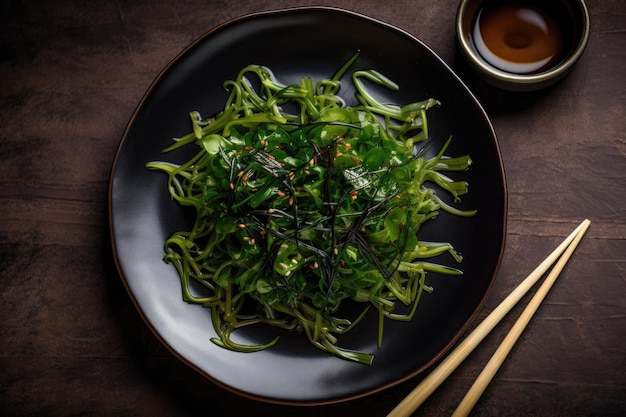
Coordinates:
[313,42]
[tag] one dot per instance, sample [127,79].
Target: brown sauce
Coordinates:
[518,38]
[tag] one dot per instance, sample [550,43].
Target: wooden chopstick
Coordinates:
[467,404]
[458,355]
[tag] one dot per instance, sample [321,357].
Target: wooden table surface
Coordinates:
[71,341]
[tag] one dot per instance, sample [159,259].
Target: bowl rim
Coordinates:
[513,81]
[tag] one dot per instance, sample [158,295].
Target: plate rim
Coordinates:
[147,94]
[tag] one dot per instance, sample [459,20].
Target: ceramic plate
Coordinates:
[311,42]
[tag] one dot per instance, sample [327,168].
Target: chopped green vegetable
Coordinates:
[296,213]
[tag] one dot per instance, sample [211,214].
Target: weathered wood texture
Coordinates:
[71,74]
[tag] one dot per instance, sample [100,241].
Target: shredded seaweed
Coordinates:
[295,213]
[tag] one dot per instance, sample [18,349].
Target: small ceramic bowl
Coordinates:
[500,40]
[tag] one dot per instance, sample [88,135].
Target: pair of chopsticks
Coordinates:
[458,355]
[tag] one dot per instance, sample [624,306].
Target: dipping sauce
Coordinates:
[518,38]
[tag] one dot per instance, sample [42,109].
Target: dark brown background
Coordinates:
[71,343]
